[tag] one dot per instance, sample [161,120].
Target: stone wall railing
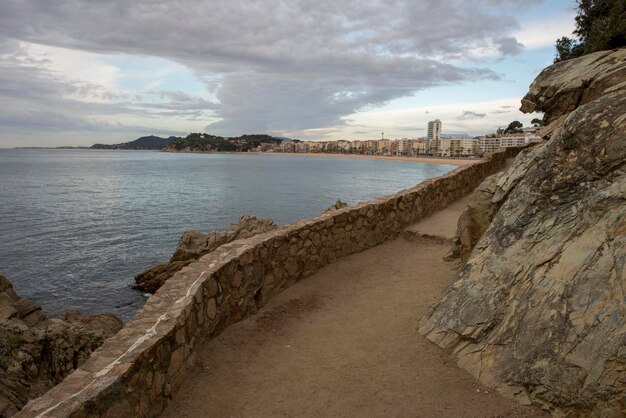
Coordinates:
[136,372]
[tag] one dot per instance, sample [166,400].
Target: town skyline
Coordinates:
[345,71]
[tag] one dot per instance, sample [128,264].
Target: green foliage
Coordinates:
[202,142]
[600,25]
[514,127]
[211,143]
[566,48]
[536,122]
[15,340]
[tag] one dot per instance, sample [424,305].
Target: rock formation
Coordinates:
[37,352]
[539,309]
[336,206]
[195,244]
[475,218]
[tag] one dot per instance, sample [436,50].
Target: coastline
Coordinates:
[459,162]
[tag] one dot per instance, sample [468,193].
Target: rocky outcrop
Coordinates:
[475,219]
[336,206]
[194,244]
[37,352]
[539,309]
[561,88]
[482,206]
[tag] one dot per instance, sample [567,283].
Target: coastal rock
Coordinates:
[475,219]
[538,311]
[483,204]
[561,88]
[37,352]
[194,244]
[338,205]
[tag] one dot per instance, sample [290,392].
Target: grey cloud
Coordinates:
[287,66]
[35,100]
[509,46]
[467,115]
[498,112]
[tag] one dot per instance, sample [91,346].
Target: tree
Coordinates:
[566,48]
[536,122]
[600,25]
[514,127]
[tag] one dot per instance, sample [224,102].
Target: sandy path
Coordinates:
[342,343]
[426,160]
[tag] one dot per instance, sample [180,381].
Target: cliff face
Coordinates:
[539,309]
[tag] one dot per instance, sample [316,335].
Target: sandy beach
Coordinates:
[426,160]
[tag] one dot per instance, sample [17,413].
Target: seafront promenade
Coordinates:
[343,343]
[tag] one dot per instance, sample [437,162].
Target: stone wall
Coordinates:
[136,372]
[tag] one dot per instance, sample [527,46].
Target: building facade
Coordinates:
[433,136]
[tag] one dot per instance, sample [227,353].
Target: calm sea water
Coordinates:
[76,226]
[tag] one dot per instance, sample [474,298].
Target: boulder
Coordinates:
[37,352]
[194,244]
[152,279]
[338,205]
[539,310]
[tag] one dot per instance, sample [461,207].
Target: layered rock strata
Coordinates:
[37,352]
[539,309]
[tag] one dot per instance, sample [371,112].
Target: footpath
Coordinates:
[343,343]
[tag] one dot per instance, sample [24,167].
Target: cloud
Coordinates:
[277,67]
[544,32]
[467,115]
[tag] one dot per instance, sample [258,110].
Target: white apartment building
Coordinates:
[302,147]
[418,147]
[512,141]
[488,145]
[433,136]
[463,146]
[404,146]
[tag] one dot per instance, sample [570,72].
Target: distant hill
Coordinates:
[144,143]
[197,142]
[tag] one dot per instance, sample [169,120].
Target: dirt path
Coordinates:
[342,343]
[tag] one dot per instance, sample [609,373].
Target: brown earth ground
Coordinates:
[426,160]
[343,343]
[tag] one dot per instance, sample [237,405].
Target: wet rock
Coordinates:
[151,280]
[37,352]
[194,244]
[538,311]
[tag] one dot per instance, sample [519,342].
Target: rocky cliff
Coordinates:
[37,352]
[538,311]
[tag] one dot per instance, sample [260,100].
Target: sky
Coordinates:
[79,72]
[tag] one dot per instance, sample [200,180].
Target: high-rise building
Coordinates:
[434,136]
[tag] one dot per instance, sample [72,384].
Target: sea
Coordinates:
[76,226]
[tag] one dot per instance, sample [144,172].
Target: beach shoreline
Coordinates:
[459,162]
